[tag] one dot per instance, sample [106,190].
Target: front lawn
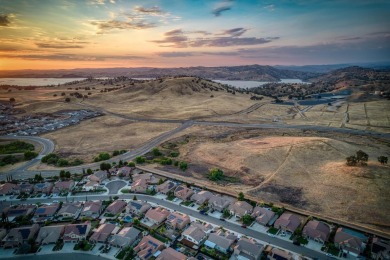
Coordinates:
[214,253]
[273,230]
[186,203]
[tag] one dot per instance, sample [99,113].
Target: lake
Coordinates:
[253,84]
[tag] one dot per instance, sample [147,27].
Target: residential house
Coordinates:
[380,249]
[288,222]
[124,171]
[154,217]
[201,197]
[221,241]
[24,187]
[103,232]
[116,207]
[184,193]
[44,188]
[18,210]
[75,232]
[317,231]
[17,236]
[7,188]
[171,254]
[219,203]
[126,237]
[98,176]
[92,209]
[240,208]
[50,234]
[177,220]
[148,247]
[263,216]
[137,207]
[139,186]
[45,212]
[148,177]
[91,185]
[69,210]
[197,233]
[247,248]
[279,254]
[62,186]
[166,187]
[350,241]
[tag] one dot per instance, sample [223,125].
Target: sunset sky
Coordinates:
[55,34]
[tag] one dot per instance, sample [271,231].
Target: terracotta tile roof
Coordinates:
[201,197]
[7,188]
[116,207]
[93,206]
[263,215]
[125,237]
[288,221]
[157,215]
[183,192]
[50,234]
[317,230]
[240,208]
[147,247]
[103,232]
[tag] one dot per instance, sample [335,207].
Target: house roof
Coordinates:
[124,170]
[166,186]
[197,231]
[21,209]
[125,236]
[222,239]
[241,208]
[201,196]
[44,185]
[171,254]
[158,214]
[138,205]
[103,232]
[317,229]
[22,233]
[178,218]
[116,207]
[69,208]
[350,238]
[140,183]
[249,245]
[78,229]
[99,175]
[220,201]
[47,209]
[93,206]
[49,234]
[148,246]
[64,184]
[288,220]
[263,215]
[183,192]
[280,254]
[6,187]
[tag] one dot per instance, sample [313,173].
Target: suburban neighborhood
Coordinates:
[43,216]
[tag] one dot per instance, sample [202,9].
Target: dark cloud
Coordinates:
[4,20]
[217,11]
[231,41]
[121,25]
[175,54]
[151,11]
[235,32]
[221,7]
[174,32]
[352,39]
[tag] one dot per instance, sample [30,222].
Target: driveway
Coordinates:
[114,186]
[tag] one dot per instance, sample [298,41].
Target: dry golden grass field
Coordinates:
[104,134]
[295,168]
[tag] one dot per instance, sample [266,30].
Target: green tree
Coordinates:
[247,219]
[156,152]
[136,221]
[131,164]
[241,196]
[67,174]
[160,181]
[62,174]
[183,166]
[28,155]
[105,166]
[134,197]
[62,162]
[140,159]
[216,174]
[351,160]
[382,159]
[89,171]
[362,157]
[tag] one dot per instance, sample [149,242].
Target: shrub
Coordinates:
[140,159]
[62,162]
[131,164]
[216,174]
[183,166]
[30,155]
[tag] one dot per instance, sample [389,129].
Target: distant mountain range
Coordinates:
[331,67]
[248,72]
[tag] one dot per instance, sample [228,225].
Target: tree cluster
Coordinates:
[360,158]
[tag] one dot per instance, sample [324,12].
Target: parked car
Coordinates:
[222,219]
[243,226]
